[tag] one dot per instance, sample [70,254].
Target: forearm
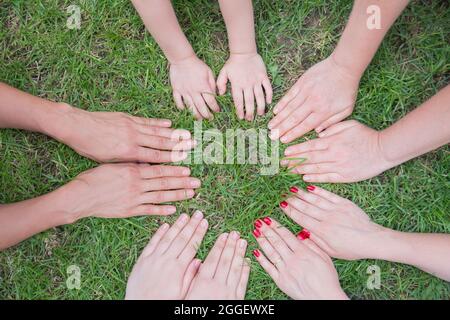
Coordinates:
[21,220]
[358,44]
[238,16]
[160,20]
[422,130]
[426,251]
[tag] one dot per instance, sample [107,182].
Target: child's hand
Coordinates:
[346,152]
[323,96]
[166,267]
[224,274]
[299,268]
[194,86]
[336,225]
[248,77]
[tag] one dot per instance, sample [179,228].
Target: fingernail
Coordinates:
[310,188]
[293,189]
[195,183]
[283,204]
[204,223]
[267,221]
[256,253]
[258,224]
[256,233]
[242,243]
[198,214]
[186,171]
[304,234]
[234,235]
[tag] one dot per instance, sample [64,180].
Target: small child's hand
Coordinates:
[193,85]
[248,76]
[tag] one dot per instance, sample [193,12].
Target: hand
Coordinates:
[323,96]
[194,86]
[126,190]
[118,137]
[336,225]
[248,76]
[346,152]
[224,274]
[167,266]
[299,268]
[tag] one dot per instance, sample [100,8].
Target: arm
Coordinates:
[244,68]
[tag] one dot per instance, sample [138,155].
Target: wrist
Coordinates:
[386,158]
[55,122]
[349,68]
[70,199]
[183,58]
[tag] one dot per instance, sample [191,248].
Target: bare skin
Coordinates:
[350,151]
[101,136]
[299,267]
[108,191]
[342,230]
[166,267]
[326,93]
[191,79]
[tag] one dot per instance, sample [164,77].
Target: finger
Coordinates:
[201,106]
[158,156]
[314,248]
[272,254]
[212,83]
[333,120]
[307,208]
[153,243]
[287,236]
[310,157]
[189,275]
[242,286]
[191,105]
[315,168]
[158,171]
[170,183]
[249,104]
[299,217]
[287,111]
[211,101]
[334,198]
[161,143]
[237,264]
[260,102]
[192,247]
[315,199]
[223,268]
[173,134]
[308,146]
[292,120]
[276,241]
[341,126]
[184,236]
[222,80]
[163,123]
[288,97]
[171,234]
[238,101]
[266,264]
[167,196]
[178,100]
[268,90]
[209,266]
[300,129]
[325,177]
[154,210]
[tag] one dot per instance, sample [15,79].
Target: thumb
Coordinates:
[191,272]
[222,80]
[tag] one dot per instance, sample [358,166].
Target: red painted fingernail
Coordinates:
[310,188]
[258,224]
[267,221]
[256,253]
[304,234]
[256,233]
[283,204]
[294,189]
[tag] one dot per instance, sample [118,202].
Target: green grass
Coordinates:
[112,64]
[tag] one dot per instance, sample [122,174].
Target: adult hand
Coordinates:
[336,225]
[248,77]
[299,268]
[224,274]
[126,190]
[166,267]
[323,96]
[194,86]
[346,152]
[119,137]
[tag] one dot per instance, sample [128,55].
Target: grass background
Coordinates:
[112,64]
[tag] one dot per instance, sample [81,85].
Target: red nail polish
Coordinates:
[283,204]
[256,233]
[294,189]
[256,253]
[310,188]
[267,221]
[304,234]
[258,224]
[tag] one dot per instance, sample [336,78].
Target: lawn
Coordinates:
[112,64]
